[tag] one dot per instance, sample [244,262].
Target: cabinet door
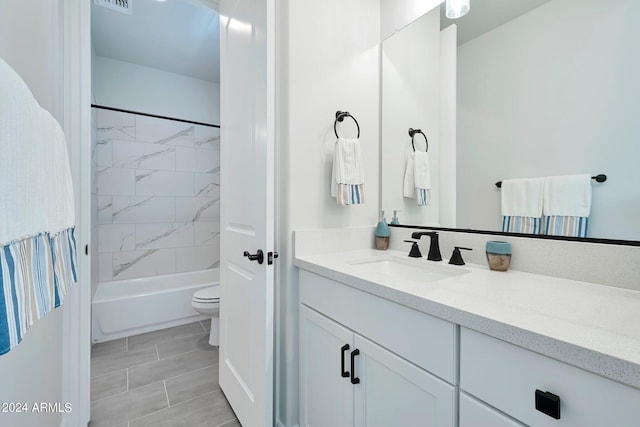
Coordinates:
[326,397]
[476,414]
[394,392]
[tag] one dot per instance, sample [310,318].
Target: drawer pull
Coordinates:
[354,379]
[344,373]
[548,403]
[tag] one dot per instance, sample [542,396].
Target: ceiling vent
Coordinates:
[123,6]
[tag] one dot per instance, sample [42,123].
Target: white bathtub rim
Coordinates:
[117,290]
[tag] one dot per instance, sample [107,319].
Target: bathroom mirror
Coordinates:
[550,89]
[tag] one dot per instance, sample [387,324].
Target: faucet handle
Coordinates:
[415,250]
[456,256]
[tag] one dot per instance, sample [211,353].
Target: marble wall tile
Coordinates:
[116,182]
[206,233]
[151,262]
[197,160]
[116,237]
[207,137]
[159,236]
[207,185]
[104,153]
[196,258]
[114,124]
[195,209]
[162,131]
[105,267]
[139,155]
[143,209]
[105,209]
[163,183]
[158,189]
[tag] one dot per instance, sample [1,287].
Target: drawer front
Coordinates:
[507,377]
[474,413]
[424,340]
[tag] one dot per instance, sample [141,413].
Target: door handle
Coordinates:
[548,403]
[344,373]
[258,256]
[354,379]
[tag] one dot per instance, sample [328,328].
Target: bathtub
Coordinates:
[128,307]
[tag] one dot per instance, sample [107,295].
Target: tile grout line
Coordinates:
[166,393]
[227,422]
[191,372]
[157,352]
[179,404]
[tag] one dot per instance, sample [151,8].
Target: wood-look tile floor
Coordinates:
[166,378]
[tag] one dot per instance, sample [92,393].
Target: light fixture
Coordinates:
[456,8]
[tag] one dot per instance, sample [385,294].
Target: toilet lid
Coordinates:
[209,294]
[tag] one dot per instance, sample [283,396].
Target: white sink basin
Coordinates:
[413,269]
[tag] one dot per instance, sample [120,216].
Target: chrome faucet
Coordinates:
[434,247]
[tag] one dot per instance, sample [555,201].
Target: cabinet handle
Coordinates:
[344,373]
[548,403]
[354,379]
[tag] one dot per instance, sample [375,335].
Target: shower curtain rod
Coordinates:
[120,110]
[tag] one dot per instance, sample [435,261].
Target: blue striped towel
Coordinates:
[35,275]
[37,214]
[347,173]
[571,226]
[521,224]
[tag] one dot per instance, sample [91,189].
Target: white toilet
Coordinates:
[207,301]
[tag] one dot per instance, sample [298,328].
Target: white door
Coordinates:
[326,392]
[247,207]
[394,392]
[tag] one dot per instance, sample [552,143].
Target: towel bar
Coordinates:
[599,178]
[412,133]
[340,115]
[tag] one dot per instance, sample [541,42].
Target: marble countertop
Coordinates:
[593,327]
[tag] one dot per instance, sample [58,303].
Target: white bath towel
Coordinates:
[37,241]
[567,195]
[347,173]
[522,197]
[36,193]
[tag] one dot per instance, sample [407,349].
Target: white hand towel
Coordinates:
[422,170]
[409,186]
[567,195]
[347,173]
[522,197]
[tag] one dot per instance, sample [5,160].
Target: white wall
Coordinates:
[328,61]
[133,87]
[553,92]
[396,14]
[30,41]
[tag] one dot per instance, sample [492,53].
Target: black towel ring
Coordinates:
[340,115]
[412,133]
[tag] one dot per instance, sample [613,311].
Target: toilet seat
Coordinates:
[208,295]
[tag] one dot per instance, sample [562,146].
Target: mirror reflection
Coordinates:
[509,92]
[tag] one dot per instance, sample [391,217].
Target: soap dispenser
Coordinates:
[382,233]
[395,220]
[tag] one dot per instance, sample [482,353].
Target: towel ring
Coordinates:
[412,133]
[340,115]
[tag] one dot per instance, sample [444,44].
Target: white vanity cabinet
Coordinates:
[365,361]
[508,378]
